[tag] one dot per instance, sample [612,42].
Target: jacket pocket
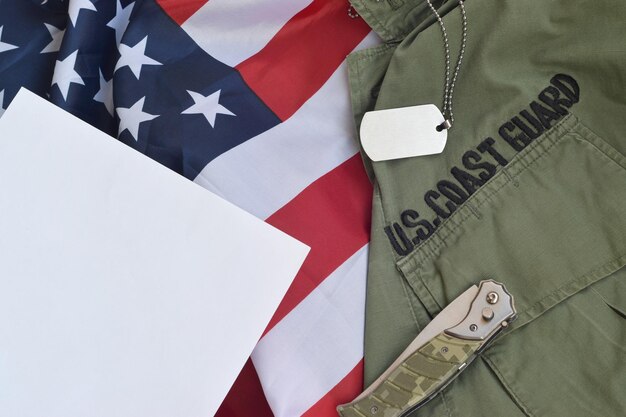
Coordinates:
[549,225]
[568,362]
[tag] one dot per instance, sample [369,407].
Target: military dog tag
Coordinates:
[403,132]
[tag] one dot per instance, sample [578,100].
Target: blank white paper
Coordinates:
[125,289]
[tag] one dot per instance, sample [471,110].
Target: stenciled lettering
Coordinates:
[487,146]
[479,165]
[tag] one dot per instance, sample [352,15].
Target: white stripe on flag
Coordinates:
[266,172]
[317,343]
[231,31]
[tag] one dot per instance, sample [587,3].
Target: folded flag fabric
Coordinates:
[249,99]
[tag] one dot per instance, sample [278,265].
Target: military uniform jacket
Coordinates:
[529,191]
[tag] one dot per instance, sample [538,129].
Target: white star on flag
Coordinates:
[3,45]
[57,37]
[76,6]
[131,118]
[105,94]
[1,102]
[120,22]
[208,106]
[65,74]
[134,57]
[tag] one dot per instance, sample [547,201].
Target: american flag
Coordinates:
[249,99]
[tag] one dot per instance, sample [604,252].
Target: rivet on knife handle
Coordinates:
[428,365]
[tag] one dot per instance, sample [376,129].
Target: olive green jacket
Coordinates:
[529,191]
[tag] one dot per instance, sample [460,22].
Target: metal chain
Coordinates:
[448,90]
[352,12]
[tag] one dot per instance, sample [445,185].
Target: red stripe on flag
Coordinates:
[303,55]
[246,397]
[181,10]
[332,216]
[344,392]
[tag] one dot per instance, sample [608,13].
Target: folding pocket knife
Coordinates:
[438,354]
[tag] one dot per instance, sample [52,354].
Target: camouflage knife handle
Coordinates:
[416,379]
[423,373]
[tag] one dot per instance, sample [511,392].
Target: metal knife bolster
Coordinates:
[424,370]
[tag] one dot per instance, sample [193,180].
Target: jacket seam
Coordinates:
[516,399]
[484,195]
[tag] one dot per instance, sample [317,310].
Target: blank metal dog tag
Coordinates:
[403,132]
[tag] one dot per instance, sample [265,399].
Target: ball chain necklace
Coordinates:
[448,91]
[404,132]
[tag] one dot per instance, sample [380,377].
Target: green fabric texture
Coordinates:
[394,19]
[530,191]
